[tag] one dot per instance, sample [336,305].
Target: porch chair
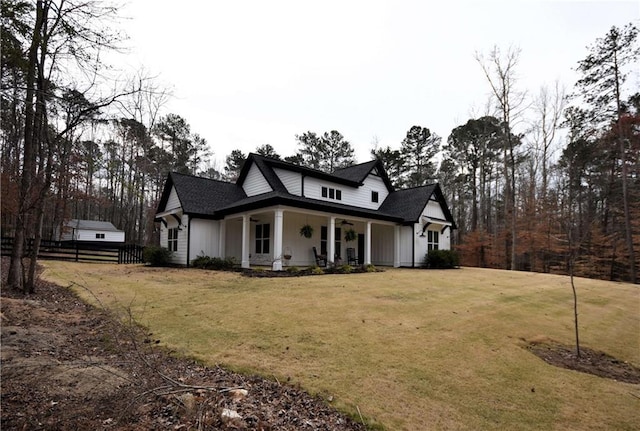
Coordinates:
[352,259]
[321,260]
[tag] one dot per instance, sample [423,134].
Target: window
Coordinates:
[324,239]
[262,238]
[172,242]
[374,196]
[330,193]
[99,236]
[432,240]
[338,242]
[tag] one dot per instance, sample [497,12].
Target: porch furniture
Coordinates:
[321,260]
[352,259]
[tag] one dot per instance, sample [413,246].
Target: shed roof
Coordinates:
[91,225]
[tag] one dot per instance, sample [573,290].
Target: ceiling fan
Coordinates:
[346,222]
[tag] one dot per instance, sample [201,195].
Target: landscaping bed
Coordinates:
[68,365]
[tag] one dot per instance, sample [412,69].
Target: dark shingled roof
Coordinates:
[266,165]
[358,173]
[409,203]
[91,225]
[200,196]
[277,198]
[215,199]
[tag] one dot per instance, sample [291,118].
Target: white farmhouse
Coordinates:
[354,214]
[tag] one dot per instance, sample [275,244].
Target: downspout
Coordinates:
[188,240]
[413,247]
[302,191]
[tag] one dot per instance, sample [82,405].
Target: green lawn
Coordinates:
[412,349]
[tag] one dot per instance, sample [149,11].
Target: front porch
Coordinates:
[271,237]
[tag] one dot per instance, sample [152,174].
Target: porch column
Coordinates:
[396,246]
[246,240]
[331,240]
[278,223]
[222,239]
[367,243]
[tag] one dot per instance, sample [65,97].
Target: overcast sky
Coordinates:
[248,73]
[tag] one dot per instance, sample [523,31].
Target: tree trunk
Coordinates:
[15,277]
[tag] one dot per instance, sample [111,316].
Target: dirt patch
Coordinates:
[590,361]
[67,365]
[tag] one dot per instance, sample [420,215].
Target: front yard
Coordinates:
[408,349]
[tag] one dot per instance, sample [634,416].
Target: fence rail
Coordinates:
[79,251]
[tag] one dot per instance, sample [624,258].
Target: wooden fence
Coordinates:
[79,251]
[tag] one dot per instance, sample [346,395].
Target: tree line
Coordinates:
[71,150]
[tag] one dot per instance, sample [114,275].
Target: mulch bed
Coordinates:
[68,366]
[590,361]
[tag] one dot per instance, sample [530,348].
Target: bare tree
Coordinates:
[501,73]
[64,45]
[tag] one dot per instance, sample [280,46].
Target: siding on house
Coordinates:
[407,241]
[359,197]
[233,239]
[255,183]
[382,245]
[434,210]
[291,180]
[90,235]
[205,238]
[178,257]
[173,202]
[372,183]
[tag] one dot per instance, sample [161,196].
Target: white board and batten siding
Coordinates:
[382,244]
[255,183]
[178,257]
[205,240]
[407,239]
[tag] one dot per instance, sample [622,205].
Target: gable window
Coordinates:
[262,238]
[328,192]
[374,196]
[172,241]
[99,236]
[432,240]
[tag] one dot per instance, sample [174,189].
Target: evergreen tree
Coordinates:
[234,163]
[603,75]
[418,151]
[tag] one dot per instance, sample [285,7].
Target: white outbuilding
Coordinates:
[90,231]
